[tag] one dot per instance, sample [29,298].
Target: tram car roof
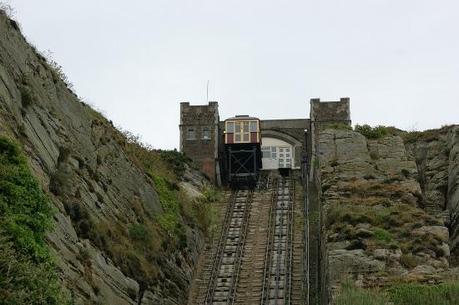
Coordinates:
[242,118]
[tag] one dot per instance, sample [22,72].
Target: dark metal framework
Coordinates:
[243,164]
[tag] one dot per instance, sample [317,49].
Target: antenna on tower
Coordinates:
[207,90]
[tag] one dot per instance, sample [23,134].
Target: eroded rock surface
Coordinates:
[436,153]
[377,228]
[79,158]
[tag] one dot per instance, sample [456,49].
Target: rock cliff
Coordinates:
[376,195]
[436,153]
[98,192]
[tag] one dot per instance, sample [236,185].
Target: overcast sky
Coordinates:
[136,60]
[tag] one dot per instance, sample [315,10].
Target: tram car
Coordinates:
[242,140]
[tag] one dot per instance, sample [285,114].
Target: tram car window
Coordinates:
[242,161]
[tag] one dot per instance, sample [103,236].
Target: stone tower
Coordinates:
[199,137]
[325,113]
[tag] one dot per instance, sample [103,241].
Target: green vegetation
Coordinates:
[27,271]
[400,294]
[170,220]
[176,159]
[138,232]
[166,168]
[369,132]
[417,294]
[351,295]
[383,235]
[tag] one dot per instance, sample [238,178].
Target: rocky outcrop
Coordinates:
[376,228]
[453,191]
[79,157]
[436,153]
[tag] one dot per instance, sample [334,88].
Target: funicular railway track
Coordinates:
[226,263]
[277,276]
[256,257]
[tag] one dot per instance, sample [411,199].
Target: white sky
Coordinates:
[136,60]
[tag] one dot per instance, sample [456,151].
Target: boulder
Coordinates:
[440,232]
[381,254]
[344,262]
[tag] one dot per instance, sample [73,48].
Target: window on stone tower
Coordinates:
[206,133]
[191,134]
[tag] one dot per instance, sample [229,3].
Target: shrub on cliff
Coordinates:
[369,132]
[27,271]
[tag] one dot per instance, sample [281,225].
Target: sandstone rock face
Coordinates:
[352,262]
[375,222]
[73,151]
[453,190]
[436,153]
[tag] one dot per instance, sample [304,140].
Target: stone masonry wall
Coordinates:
[326,113]
[204,152]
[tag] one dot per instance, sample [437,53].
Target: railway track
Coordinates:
[277,279]
[256,257]
[227,260]
[251,275]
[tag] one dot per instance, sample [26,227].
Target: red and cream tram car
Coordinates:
[242,138]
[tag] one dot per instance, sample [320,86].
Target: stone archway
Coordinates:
[297,145]
[277,134]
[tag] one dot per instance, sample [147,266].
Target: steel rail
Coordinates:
[241,249]
[218,254]
[277,277]
[270,239]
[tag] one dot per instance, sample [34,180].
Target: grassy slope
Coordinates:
[27,272]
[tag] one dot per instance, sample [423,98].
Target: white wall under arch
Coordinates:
[273,163]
